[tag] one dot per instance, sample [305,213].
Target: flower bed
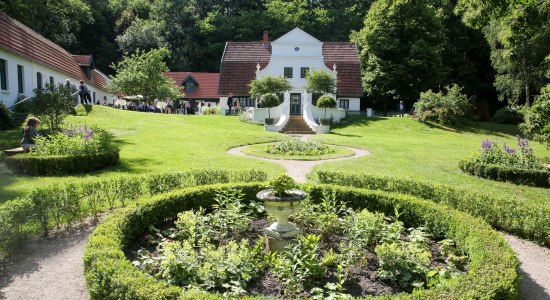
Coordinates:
[75,150]
[507,164]
[525,219]
[294,149]
[110,275]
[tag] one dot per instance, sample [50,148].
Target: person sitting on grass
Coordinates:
[29,133]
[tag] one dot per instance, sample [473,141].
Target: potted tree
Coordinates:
[268,101]
[325,102]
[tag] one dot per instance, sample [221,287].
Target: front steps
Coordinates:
[297,125]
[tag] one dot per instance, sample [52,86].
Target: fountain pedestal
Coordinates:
[282,232]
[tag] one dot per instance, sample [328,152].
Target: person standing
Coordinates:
[230,101]
[84,93]
[401,108]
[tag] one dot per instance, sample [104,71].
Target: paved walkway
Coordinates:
[51,268]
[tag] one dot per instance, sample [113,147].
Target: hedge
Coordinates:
[493,266]
[59,205]
[26,164]
[540,178]
[525,219]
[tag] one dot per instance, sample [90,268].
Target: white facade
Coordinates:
[31,70]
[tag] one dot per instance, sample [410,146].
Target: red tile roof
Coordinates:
[83,60]
[238,67]
[207,84]
[346,58]
[21,40]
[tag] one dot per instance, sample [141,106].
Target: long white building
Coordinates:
[29,61]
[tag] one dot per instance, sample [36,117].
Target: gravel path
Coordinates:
[51,268]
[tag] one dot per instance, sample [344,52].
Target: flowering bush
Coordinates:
[492,153]
[298,147]
[80,140]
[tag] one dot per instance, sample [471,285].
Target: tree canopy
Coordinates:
[141,74]
[320,81]
[269,84]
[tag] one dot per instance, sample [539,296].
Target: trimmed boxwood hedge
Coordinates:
[525,219]
[493,266]
[540,178]
[52,206]
[25,164]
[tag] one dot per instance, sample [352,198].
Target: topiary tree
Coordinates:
[326,102]
[52,104]
[320,81]
[269,84]
[269,100]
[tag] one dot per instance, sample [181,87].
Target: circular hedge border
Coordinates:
[538,178]
[25,164]
[109,274]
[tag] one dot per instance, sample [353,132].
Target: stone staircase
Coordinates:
[297,125]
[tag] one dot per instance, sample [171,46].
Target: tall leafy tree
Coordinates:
[401,49]
[519,34]
[269,85]
[58,20]
[142,34]
[141,74]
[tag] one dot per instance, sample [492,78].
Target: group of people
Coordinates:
[236,104]
[83,91]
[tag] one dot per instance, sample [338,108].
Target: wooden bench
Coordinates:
[11,152]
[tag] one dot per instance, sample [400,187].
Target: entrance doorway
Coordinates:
[295,104]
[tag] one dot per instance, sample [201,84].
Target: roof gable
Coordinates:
[206,83]
[296,35]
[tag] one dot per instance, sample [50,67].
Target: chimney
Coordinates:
[266,39]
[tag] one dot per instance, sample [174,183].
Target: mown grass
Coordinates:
[156,142]
[399,147]
[403,147]
[260,150]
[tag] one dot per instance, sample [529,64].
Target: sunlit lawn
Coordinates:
[156,142]
[403,147]
[399,147]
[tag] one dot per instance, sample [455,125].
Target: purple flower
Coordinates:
[509,150]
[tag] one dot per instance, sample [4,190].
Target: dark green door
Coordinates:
[295,104]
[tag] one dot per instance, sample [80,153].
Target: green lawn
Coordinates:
[399,147]
[403,147]
[155,142]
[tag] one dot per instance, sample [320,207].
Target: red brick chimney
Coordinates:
[266,39]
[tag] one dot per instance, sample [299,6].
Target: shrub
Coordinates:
[537,121]
[53,103]
[498,172]
[525,219]
[25,107]
[320,81]
[6,117]
[449,108]
[63,204]
[110,275]
[508,115]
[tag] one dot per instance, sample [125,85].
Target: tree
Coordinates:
[320,81]
[401,49]
[52,104]
[143,35]
[537,121]
[269,84]
[141,74]
[268,101]
[518,32]
[326,102]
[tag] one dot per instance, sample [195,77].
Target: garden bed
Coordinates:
[261,150]
[110,275]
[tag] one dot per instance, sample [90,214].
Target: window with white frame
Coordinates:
[3,74]
[344,103]
[20,79]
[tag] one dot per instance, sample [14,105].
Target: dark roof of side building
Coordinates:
[207,83]
[240,60]
[23,41]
